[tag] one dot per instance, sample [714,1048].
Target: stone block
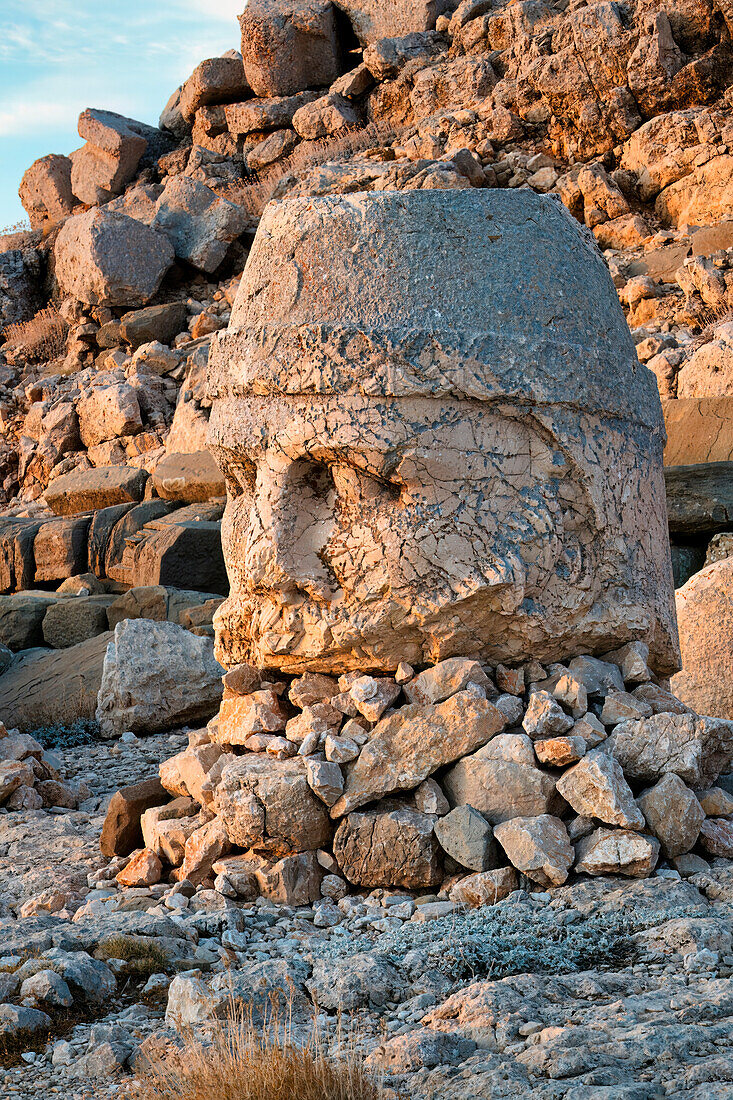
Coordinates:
[157,676]
[98,488]
[216,80]
[199,224]
[189,478]
[121,832]
[60,548]
[75,619]
[502,781]
[259,115]
[699,430]
[105,258]
[705,621]
[17,560]
[290,45]
[163,323]
[100,530]
[699,498]
[390,846]
[185,555]
[45,191]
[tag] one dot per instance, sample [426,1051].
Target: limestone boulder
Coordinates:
[261,115]
[60,548]
[466,836]
[189,478]
[705,619]
[716,837]
[390,846]
[324,117]
[545,717]
[673,814]
[121,832]
[289,45]
[409,745]
[502,781]
[268,804]
[156,676]
[97,488]
[216,80]
[45,191]
[595,787]
[153,323]
[448,677]
[114,146]
[697,749]
[241,716]
[71,621]
[617,852]
[485,888]
[21,619]
[538,846]
[357,981]
[199,224]
[372,19]
[104,258]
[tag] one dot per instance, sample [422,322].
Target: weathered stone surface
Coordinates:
[466,836]
[144,326]
[60,548]
[181,555]
[445,679]
[502,781]
[324,117]
[108,161]
[121,832]
[617,852]
[100,487]
[698,428]
[17,561]
[204,847]
[13,774]
[107,258]
[699,498]
[108,411]
[559,752]
[545,717]
[673,814]
[165,829]
[359,981]
[538,846]
[156,676]
[267,804]
[54,689]
[242,715]
[716,836]
[415,741]
[216,80]
[485,888]
[21,619]
[696,749]
[388,847]
[260,115]
[68,622]
[199,224]
[434,596]
[189,478]
[385,57]
[373,19]
[45,191]
[116,565]
[596,787]
[705,618]
[716,802]
[621,706]
[289,46]
[144,869]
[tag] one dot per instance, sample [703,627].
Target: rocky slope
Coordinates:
[111,509]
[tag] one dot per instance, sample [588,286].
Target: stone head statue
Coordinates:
[437,440]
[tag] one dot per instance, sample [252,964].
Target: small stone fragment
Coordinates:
[559,752]
[545,717]
[144,869]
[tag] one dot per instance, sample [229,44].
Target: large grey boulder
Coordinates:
[199,224]
[104,258]
[289,45]
[156,676]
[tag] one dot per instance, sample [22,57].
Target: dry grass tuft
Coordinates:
[38,340]
[254,193]
[246,1062]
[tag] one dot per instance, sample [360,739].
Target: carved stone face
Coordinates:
[364,530]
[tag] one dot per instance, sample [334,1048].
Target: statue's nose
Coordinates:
[293,517]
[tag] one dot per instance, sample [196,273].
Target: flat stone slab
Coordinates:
[89,490]
[55,688]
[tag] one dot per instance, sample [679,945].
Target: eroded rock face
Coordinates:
[390,499]
[705,617]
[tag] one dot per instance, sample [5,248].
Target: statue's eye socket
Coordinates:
[356,486]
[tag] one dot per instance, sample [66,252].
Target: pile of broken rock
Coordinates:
[446,781]
[30,777]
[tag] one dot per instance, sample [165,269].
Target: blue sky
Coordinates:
[58,57]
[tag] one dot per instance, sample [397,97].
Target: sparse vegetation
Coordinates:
[143,957]
[241,1061]
[38,340]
